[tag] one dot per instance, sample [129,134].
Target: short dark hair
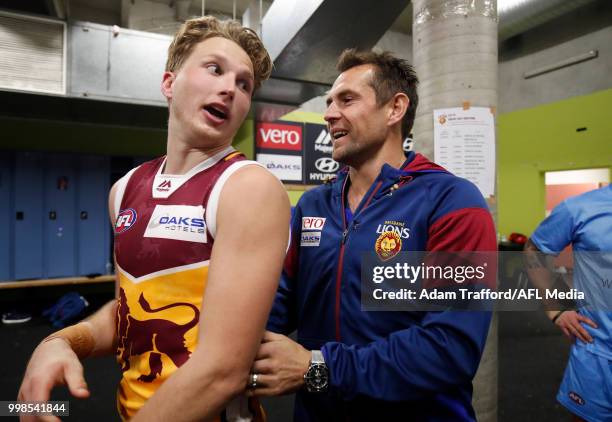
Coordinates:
[392,75]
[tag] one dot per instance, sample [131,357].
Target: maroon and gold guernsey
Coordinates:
[164,234]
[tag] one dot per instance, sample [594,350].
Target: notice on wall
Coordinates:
[464,144]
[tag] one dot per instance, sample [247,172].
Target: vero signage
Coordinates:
[279,136]
[296,152]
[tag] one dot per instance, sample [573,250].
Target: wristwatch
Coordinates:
[317,376]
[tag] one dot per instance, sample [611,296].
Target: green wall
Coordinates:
[244,141]
[544,138]
[302,117]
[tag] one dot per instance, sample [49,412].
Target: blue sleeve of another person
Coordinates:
[555,232]
[283,316]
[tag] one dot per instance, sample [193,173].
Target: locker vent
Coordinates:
[32,54]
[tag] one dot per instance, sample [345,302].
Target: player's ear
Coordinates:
[167,84]
[398,106]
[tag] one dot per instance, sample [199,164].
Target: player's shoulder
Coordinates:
[248,179]
[249,172]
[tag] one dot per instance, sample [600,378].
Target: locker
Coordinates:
[27,216]
[5,212]
[92,215]
[59,216]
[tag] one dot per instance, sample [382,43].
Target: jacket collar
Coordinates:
[415,165]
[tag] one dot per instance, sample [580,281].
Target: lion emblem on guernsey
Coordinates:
[388,245]
[153,336]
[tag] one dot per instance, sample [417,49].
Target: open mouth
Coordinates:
[216,111]
[337,134]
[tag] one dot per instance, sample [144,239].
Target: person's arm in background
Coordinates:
[549,239]
[283,316]
[246,261]
[56,360]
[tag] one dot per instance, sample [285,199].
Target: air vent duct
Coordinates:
[33,54]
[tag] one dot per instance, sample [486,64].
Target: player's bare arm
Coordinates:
[56,360]
[245,265]
[569,321]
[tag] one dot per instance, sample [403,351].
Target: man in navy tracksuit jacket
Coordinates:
[384,365]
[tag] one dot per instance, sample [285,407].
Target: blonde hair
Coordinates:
[194,31]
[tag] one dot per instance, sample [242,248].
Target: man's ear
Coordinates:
[167,84]
[398,106]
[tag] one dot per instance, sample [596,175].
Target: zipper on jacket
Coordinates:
[342,247]
[344,235]
[340,261]
[338,286]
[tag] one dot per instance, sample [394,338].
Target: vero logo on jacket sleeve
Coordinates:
[311,231]
[178,222]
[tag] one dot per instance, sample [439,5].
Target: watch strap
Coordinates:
[317,357]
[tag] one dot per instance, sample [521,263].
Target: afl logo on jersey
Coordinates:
[125,220]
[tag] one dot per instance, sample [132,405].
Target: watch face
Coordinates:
[317,377]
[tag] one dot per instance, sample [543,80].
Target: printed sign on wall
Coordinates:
[285,167]
[279,147]
[279,136]
[296,152]
[318,163]
[464,143]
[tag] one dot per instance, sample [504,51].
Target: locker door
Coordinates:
[5,220]
[59,216]
[92,215]
[27,216]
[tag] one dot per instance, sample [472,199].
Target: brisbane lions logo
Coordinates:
[388,245]
[152,336]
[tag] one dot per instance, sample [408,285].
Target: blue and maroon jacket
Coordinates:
[383,365]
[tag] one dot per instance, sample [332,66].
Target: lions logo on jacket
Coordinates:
[388,245]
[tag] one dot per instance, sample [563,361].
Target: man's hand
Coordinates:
[280,366]
[570,323]
[52,363]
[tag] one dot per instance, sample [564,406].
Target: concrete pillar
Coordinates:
[455,57]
